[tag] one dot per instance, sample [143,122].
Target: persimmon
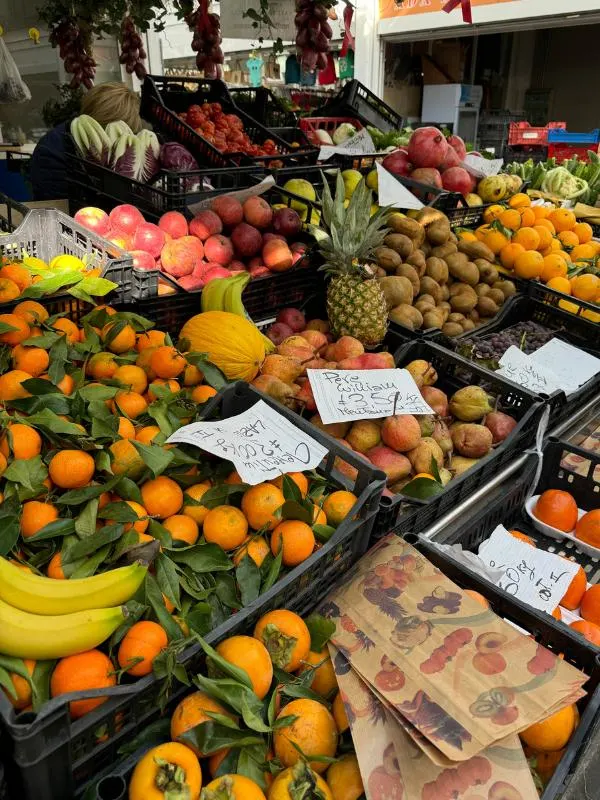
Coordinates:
[576,590]
[343,778]
[171,765]
[298,775]
[253,657]
[285,636]
[590,604]
[233,787]
[587,528]
[589,630]
[190,712]
[551,733]
[313,733]
[324,680]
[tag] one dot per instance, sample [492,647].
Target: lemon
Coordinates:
[32,262]
[372,180]
[302,188]
[315,218]
[66,263]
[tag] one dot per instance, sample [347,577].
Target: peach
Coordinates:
[126,218]
[257,212]
[149,237]
[292,317]
[395,465]
[279,332]
[229,210]
[277,256]
[246,240]
[236,266]
[435,399]
[364,435]
[219,249]
[94,219]
[347,347]
[318,325]
[206,223]
[401,432]
[179,257]
[315,339]
[174,223]
[489,663]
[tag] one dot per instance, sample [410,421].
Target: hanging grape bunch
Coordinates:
[207,40]
[313,33]
[133,54]
[75,51]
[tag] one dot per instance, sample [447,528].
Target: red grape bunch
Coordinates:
[75,52]
[207,40]
[313,33]
[133,54]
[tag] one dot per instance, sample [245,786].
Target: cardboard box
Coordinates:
[404,98]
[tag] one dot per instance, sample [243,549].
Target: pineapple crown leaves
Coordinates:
[352,233]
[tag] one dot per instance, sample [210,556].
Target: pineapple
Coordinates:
[356,305]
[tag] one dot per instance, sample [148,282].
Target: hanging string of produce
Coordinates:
[465,5]
[207,40]
[75,50]
[313,33]
[133,54]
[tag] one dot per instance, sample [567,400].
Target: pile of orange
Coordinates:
[544,243]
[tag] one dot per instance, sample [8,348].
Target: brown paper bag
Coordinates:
[394,768]
[459,674]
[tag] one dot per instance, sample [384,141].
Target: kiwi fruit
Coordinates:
[417,260]
[400,243]
[431,287]
[433,319]
[437,269]
[444,250]
[387,258]
[408,271]
[487,307]
[438,233]
[452,329]
[496,295]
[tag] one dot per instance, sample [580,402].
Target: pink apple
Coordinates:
[174,224]
[94,219]
[121,239]
[216,272]
[150,238]
[259,270]
[142,260]
[190,283]
[126,218]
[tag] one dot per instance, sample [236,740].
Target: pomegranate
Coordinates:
[427,147]
[451,160]
[457,179]
[398,163]
[458,145]
[427,175]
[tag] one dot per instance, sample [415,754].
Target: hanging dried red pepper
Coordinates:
[467,13]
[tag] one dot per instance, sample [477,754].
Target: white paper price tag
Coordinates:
[393,193]
[522,369]
[359,145]
[482,167]
[260,442]
[343,395]
[536,577]
[573,366]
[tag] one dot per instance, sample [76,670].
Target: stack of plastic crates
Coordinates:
[563,145]
[526,141]
[493,129]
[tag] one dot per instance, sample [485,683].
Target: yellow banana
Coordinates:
[213,294]
[234,304]
[27,635]
[39,595]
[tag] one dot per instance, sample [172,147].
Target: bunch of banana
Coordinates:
[42,618]
[225,294]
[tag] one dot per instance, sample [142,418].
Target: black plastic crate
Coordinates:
[294,136]
[263,105]
[571,328]
[93,184]
[409,515]
[522,154]
[164,98]
[355,100]
[588,312]
[50,757]
[551,634]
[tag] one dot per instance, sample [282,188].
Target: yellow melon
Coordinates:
[232,343]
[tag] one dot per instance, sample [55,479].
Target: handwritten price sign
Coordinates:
[524,370]
[344,395]
[260,442]
[534,576]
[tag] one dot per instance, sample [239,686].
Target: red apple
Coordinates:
[94,219]
[149,237]
[126,218]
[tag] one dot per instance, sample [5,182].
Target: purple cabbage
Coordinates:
[177,158]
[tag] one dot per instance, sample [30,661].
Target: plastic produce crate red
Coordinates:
[403,515]
[563,152]
[50,757]
[329,124]
[164,98]
[523,134]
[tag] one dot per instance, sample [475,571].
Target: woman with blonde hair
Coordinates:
[107,102]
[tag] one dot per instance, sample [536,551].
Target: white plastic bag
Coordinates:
[13,88]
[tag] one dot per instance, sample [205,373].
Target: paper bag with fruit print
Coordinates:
[393,768]
[459,674]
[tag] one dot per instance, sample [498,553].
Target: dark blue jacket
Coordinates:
[49,165]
